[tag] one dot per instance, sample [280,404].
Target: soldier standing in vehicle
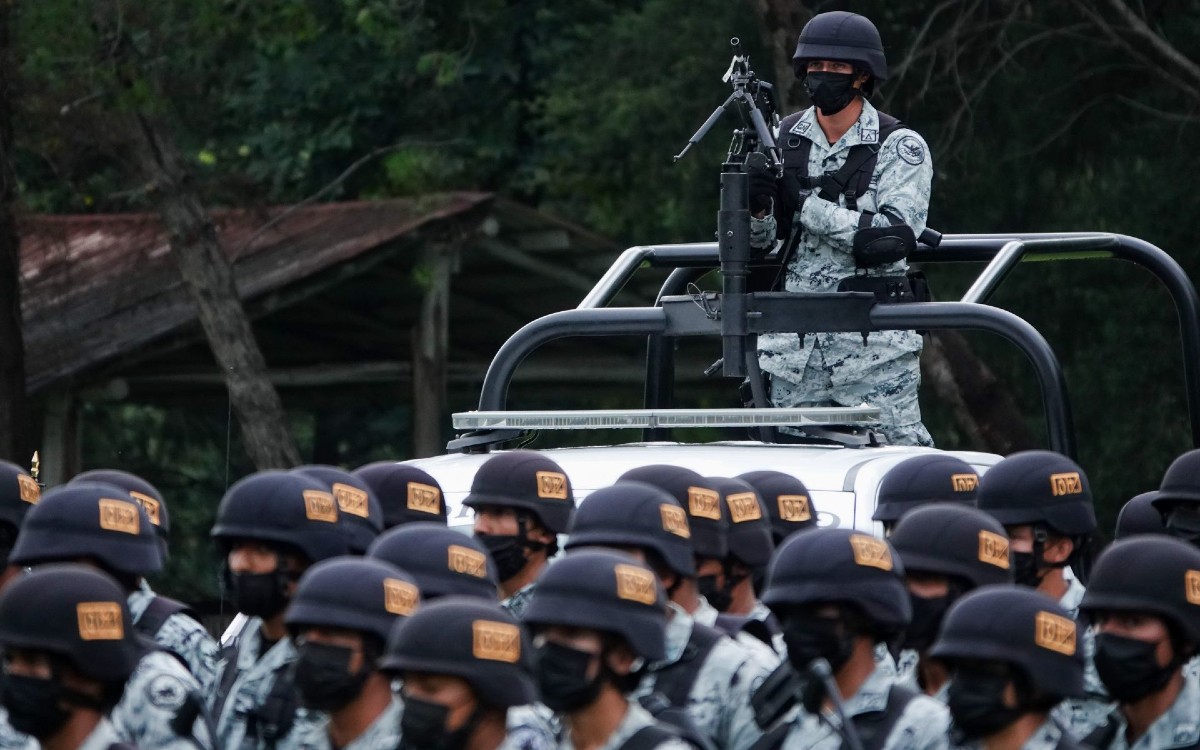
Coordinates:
[1144,602]
[271,527]
[99,524]
[704,672]
[340,619]
[838,594]
[847,167]
[522,502]
[69,648]
[598,618]
[1014,655]
[171,624]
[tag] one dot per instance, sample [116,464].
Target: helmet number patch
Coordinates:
[320,506]
[794,508]
[100,621]
[674,520]
[496,641]
[351,500]
[551,485]
[28,489]
[964,482]
[871,552]
[467,561]
[1192,584]
[399,597]
[424,498]
[1067,483]
[993,549]
[1055,633]
[119,515]
[635,584]
[150,505]
[744,507]
[703,503]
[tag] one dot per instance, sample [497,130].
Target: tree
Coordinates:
[14,441]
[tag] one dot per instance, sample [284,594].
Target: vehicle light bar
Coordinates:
[641,419]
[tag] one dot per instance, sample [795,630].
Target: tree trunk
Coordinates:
[14,440]
[782,21]
[430,351]
[208,276]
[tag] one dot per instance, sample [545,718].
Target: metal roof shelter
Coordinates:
[418,291]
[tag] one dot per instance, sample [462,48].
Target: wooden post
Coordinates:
[59,449]
[430,349]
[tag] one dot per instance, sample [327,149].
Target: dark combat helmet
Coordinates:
[1139,516]
[89,520]
[463,637]
[284,508]
[787,500]
[931,478]
[353,593]
[407,494]
[359,510]
[526,480]
[604,591]
[636,514]
[443,561]
[146,495]
[697,497]
[846,37]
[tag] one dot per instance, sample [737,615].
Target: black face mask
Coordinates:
[976,703]
[323,678]
[34,705]
[810,638]
[507,551]
[927,618]
[561,674]
[423,726]
[1183,522]
[1129,668]
[831,92]
[1025,569]
[259,594]
[718,596]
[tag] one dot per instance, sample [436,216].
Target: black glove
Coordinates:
[764,191]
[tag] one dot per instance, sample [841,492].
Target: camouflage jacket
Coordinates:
[516,603]
[1179,727]
[244,719]
[102,737]
[901,186]
[719,700]
[706,614]
[925,723]
[163,707]
[635,718]
[531,727]
[382,734]
[1080,716]
[11,739]
[180,634]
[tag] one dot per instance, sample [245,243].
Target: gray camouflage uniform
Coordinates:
[182,635]
[925,723]
[11,739]
[706,614]
[835,369]
[100,738]
[160,690]
[1082,715]
[719,701]
[249,690]
[1178,727]
[635,718]
[531,727]
[381,734]
[761,612]
[516,603]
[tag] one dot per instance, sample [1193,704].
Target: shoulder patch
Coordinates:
[868,135]
[119,515]
[744,507]
[794,508]
[801,127]
[911,150]
[166,692]
[424,498]
[870,552]
[28,489]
